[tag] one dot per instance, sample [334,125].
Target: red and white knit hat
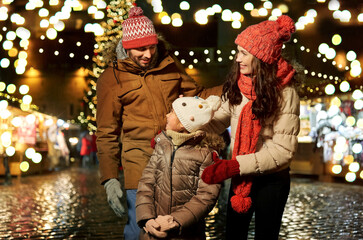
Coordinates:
[138,30]
[264,40]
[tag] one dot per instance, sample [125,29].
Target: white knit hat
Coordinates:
[195,112]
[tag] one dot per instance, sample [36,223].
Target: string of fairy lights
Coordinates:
[325,52]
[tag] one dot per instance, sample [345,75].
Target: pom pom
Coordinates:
[135,12]
[287,27]
[214,101]
[241,204]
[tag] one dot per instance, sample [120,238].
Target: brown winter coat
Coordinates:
[132,109]
[171,184]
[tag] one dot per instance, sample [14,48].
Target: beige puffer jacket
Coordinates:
[277,141]
[171,184]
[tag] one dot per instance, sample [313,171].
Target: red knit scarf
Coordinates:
[247,134]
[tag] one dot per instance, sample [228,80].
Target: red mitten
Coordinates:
[220,170]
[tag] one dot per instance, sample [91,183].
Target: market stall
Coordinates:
[31,142]
[331,137]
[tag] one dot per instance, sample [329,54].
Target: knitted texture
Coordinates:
[138,30]
[195,112]
[247,134]
[264,40]
[220,170]
[248,130]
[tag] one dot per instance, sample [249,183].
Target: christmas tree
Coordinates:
[104,52]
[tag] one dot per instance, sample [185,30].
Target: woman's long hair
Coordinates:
[266,87]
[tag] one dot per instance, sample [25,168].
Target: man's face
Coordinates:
[142,56]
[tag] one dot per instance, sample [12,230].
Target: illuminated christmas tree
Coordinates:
[106,39]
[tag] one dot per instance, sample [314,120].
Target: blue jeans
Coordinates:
[131,230]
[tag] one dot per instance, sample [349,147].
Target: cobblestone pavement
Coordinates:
[70,204]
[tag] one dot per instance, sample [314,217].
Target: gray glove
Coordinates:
[114,195]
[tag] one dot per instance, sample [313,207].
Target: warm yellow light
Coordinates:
[336,169]
[348,159]
[24,107]
[350,121]
[24,166]
[11,88]
[336,101]
[329,89]
[6,139]
[29,152]
[13,52]
[37,158]
[184,5]
[10,151]
[350,177]
[357,148]
[248,6]
[7,45]
[177,22]
[59,26]
[354,167]
[175,15]
[99,15]
[2,88]
[16,121]
[344,86]
[227,15]
[284,8]
[165,20]
[43,12]
[51,33]
[24,89]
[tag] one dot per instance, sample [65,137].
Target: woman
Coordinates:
[262,108]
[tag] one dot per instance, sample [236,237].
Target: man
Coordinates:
[133,98]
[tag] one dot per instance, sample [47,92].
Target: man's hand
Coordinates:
[153,228]
[114,195]
[220,170]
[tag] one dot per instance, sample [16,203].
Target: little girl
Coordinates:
[172,200]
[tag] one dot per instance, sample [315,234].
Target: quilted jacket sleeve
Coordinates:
[277,151]
[145,207]
[201,204]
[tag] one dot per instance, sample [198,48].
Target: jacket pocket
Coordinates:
[128,86]
[169,76]
[170,86]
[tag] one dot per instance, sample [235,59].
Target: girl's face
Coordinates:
[244,59]
[173,123]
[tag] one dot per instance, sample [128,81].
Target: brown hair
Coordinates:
[267,88]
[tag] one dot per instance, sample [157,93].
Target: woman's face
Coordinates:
[244,59]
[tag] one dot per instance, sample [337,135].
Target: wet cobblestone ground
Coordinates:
[70,204]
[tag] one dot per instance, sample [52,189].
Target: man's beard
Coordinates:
[153,62]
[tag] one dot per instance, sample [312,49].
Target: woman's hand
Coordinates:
[220,170]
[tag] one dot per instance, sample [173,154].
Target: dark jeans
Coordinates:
[269,194]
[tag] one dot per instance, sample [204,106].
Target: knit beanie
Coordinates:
[195,112]
[264,40]
[138,30]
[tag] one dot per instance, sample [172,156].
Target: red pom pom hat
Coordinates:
[264,40]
